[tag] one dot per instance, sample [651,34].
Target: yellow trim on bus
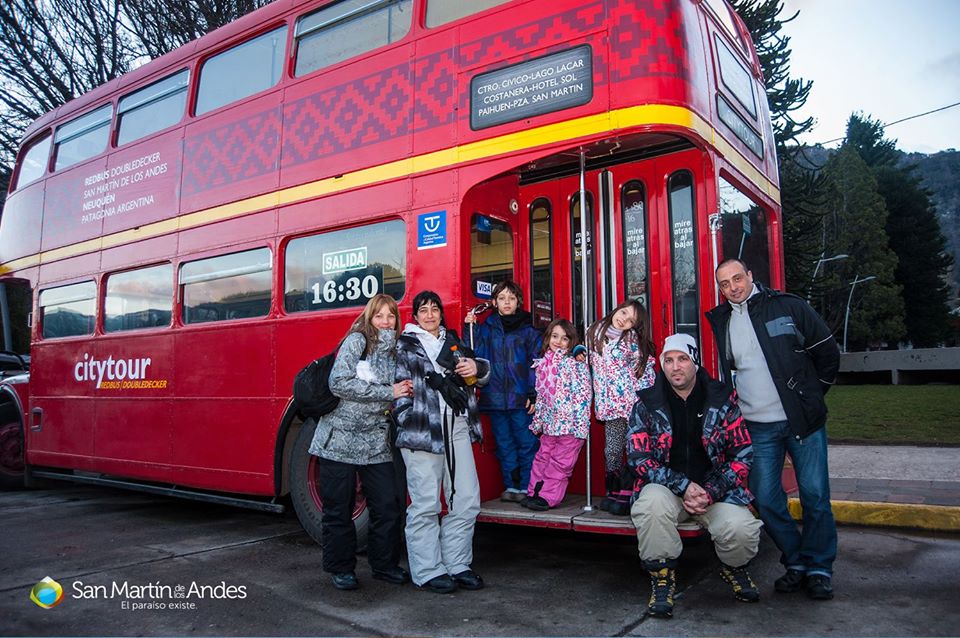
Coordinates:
[447,158]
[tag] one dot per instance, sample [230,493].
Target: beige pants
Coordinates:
[657,511]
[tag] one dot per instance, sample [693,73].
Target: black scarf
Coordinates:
[517,320]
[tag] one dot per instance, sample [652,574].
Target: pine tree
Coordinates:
[855,224]
[914,233]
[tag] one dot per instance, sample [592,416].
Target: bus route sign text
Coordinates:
[542,85]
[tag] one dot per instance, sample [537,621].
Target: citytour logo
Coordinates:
[117,374]
[47,593]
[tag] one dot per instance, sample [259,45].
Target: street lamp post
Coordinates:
[816,269]
[846,319]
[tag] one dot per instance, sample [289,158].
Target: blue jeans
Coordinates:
[516,446]
[814,550]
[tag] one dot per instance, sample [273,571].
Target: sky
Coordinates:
[889,59]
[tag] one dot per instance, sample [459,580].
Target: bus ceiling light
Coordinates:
[514,206]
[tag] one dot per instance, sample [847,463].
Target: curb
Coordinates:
[911,515]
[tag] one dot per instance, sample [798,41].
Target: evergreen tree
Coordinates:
[914,234]
[802,187]
[866,136]
[855,224]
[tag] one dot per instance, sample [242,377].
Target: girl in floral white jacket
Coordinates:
[622,360]
[562,414]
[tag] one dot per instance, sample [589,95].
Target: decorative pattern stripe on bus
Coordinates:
[447,158]
[422,94]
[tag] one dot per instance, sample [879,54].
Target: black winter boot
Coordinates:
[612,485]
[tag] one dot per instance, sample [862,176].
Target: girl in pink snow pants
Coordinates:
[562,415]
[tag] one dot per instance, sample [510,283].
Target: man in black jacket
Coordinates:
[784,358]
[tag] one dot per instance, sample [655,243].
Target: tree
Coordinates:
[52,51]
[866,136]
[914,233]
[163,25]
[855,224]
[802,187]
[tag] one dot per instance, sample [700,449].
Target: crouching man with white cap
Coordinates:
[691,452]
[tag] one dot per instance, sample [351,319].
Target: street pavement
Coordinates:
[892,576]
[541,582]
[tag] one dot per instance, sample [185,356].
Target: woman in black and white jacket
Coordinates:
[436,429]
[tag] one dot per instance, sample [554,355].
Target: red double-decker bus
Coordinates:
[195,231]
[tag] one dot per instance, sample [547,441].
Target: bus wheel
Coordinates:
[11,455]
[305,490]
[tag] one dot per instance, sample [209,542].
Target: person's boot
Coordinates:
[536,502]
[744,589]
[612,485]
[663,585]
[620,502]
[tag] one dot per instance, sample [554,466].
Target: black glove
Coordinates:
[454,396]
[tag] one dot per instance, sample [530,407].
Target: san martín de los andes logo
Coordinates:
[118,374]
[47,593]
[158,595]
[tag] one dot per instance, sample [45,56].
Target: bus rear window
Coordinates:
[444,11]
[346,268]
[349,28]
[138,299]
[33,163]
[153,108]
[68,311]
[246,69]
[491,254]
[82,138]
[233,286]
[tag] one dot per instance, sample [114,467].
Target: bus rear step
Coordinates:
[569,515]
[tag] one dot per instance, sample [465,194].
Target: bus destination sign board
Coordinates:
[549,83]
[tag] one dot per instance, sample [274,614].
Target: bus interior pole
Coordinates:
[583,296]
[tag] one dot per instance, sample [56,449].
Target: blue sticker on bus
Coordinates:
[432,230]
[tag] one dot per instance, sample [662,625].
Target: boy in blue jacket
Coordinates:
[509,341]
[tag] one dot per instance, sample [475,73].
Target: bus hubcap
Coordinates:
[313,482]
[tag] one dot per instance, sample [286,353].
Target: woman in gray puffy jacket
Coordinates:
[354,440]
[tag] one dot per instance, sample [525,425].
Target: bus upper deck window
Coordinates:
[152,108]
[444,11]
[33,163]
[137,299]
[248,68]
[491,253]
[68,311]
[83,137]
[345,29]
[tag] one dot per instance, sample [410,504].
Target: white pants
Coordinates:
[657,511]
[436,547]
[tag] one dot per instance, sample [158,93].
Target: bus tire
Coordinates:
[305,490]
[11,455]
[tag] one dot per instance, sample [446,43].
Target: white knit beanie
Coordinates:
[681,342]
